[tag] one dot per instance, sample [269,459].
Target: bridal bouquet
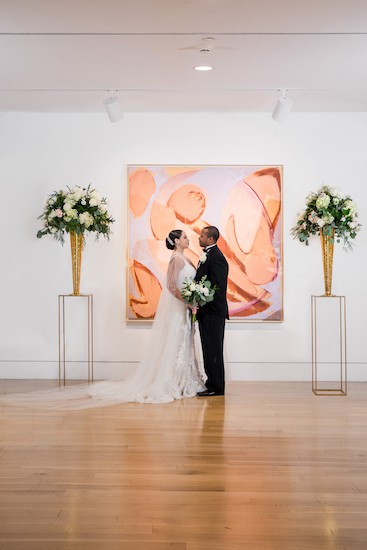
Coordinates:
[197,294]
[328,211]
[79,209]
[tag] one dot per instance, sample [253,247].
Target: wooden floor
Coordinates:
[268,466]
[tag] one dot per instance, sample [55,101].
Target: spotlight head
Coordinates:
[282,108]
[113,109]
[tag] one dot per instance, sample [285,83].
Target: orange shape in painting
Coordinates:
[162,220]
[252,214]
[267,184]
[149,289]
[141,189]
[262,264]
[188,202]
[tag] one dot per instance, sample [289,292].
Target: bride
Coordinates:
[169,369]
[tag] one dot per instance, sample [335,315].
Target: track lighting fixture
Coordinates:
[113,109]
[282,108]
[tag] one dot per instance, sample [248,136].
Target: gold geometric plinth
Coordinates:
[62,334]
[335,325]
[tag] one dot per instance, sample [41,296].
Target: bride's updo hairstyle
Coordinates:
[170,241]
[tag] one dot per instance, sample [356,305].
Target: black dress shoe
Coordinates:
[208,393]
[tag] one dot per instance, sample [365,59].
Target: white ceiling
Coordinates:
[64,56]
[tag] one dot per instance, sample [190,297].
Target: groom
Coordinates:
[212,316]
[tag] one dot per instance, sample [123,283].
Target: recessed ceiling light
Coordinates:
[203,68]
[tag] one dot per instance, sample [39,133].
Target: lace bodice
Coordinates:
[187,272]
[179,269]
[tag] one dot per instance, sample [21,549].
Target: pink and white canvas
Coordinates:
[244,202]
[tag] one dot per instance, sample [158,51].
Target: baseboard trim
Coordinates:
[246,371]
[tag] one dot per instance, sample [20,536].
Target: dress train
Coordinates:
[169,369]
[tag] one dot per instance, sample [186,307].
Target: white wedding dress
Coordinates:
[169,370]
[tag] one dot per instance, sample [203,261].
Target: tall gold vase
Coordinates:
[327,248]
[76,244]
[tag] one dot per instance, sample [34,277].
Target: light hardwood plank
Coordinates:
[269,466]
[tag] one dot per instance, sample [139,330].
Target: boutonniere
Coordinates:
[203,257]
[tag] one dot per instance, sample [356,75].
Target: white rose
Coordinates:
[76,194]
[95,195]
[203,258]
[94,201]
[192,287]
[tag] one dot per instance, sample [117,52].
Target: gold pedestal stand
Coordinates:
[88,298]
[341,385]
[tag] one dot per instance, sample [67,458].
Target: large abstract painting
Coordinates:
[244,202]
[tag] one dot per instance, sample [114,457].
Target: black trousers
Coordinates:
[212,337]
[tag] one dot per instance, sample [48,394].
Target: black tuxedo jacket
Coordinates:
[215,268]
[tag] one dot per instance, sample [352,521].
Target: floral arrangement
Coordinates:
[79,209]
[328,211]
[197,294]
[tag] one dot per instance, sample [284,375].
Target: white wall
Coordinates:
[44,152]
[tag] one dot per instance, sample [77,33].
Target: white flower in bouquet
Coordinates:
[197,294]
[79,209]
[326,211]
[72,214]
[86,219]
[94,202]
